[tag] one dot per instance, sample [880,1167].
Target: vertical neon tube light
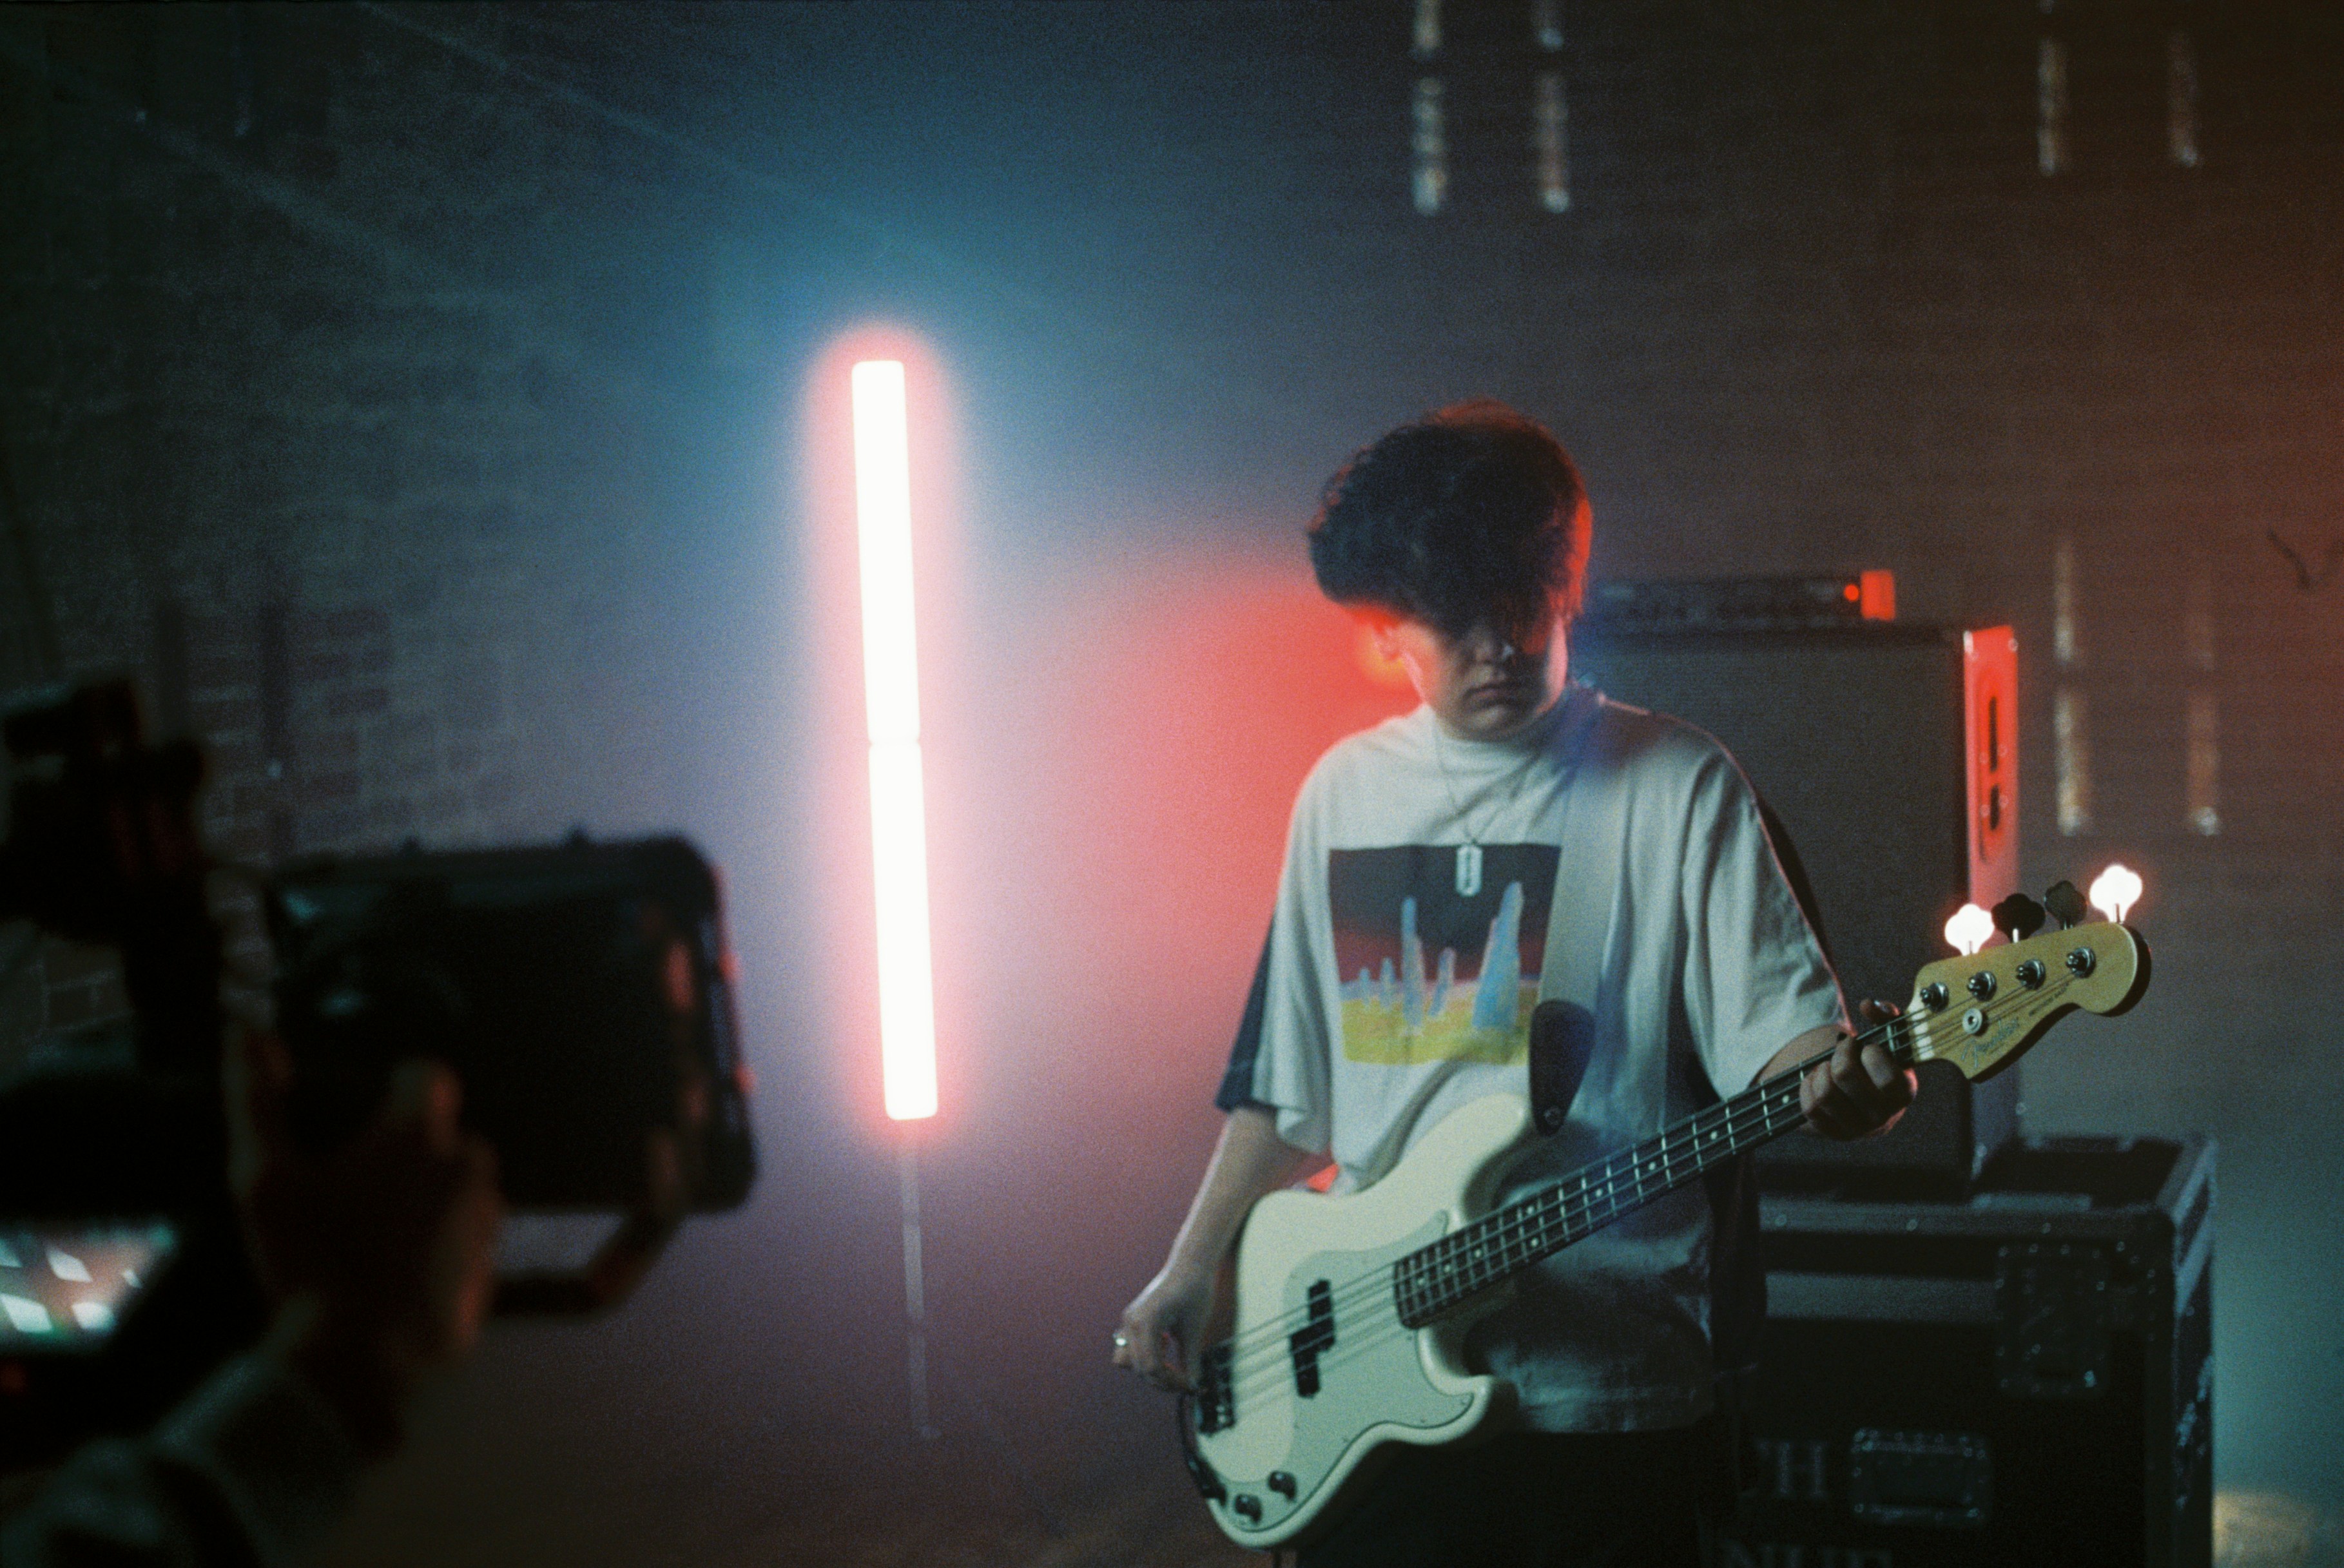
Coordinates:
[891,688]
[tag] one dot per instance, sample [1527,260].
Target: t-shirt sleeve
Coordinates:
[1237,1082]
[1279,1059]
[1755,976]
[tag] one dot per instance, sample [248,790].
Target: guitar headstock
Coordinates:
[1982,1010]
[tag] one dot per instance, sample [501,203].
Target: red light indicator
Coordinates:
[1876,593]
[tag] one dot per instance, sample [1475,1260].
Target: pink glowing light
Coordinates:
[890,685]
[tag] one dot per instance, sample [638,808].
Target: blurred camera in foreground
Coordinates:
[577,995]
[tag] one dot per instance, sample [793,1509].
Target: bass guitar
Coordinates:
[1350,1312]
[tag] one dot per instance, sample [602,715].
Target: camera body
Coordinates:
[581,993]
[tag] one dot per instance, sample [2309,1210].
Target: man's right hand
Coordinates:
[1162,1325]
[1160,1332]
[380,1255]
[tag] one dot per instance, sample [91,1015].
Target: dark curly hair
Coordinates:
[1470,514]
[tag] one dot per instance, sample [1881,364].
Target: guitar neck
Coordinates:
[1470,1260]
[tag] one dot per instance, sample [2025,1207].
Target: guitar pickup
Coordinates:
[1316,1335]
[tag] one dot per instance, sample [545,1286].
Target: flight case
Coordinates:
[2022,1378]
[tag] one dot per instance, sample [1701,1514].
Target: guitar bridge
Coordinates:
[1215,1399]
[1200,1471]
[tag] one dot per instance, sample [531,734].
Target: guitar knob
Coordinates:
[1933,997]
[1982,985]
[1282,1484]
[2080,962]
[1248,1505]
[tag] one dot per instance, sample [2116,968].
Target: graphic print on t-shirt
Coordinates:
[1438,948]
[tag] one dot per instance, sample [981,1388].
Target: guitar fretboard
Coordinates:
[1470,1260]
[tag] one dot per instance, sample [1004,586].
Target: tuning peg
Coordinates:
[2018,914]
[2066,905]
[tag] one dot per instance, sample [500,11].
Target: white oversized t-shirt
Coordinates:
[1404,961]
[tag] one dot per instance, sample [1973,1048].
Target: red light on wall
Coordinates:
[1876,595]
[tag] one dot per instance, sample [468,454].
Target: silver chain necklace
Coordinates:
[1469,854]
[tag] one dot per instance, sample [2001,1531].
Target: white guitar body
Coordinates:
[1351,1312]
[1282,1457]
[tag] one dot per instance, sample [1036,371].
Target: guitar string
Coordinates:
[1585,1187]
[1613,1202]
[1586,1181]
[1609,1198]
[1590,1186]
[1646,1189]
[1569,1222]
[1570,1204]
[1592,1215]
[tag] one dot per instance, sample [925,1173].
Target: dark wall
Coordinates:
[411,396]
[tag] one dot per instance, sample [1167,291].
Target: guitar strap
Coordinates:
[1594,853]
[1592,847]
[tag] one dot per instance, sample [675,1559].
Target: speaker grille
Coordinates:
[1855,740]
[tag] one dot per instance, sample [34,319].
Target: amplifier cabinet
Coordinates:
[2024,1380]
[1886,756]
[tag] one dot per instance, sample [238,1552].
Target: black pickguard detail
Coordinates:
[1315,1336]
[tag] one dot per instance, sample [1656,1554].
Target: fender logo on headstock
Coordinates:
[1979,1011]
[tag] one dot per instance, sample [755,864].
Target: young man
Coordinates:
[1405,953]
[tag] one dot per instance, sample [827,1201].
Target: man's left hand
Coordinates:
[1860,1090]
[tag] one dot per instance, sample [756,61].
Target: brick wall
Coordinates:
[282,464]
